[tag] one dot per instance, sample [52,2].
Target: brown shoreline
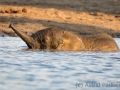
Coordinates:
[84,17]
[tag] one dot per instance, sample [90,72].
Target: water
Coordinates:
[42,70]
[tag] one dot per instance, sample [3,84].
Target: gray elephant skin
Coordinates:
[60,40]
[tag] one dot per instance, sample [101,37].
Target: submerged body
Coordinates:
[56,39]
[100,42]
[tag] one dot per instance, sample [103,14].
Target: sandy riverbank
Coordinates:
[80,16]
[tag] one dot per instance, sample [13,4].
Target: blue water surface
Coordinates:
[67,70]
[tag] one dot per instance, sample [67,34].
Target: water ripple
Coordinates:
[42,70]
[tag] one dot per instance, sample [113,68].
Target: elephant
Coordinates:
[62,40]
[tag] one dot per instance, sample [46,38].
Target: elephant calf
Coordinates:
[56,39]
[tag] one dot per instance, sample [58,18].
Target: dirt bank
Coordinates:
[80,16]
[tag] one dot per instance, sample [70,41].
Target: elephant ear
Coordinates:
[72,41]
[31,43]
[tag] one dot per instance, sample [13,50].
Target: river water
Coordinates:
[68,70]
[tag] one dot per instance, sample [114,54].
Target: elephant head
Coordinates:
[51,39]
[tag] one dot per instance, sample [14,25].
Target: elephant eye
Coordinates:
[43,40]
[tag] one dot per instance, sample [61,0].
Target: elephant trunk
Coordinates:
[29,40]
